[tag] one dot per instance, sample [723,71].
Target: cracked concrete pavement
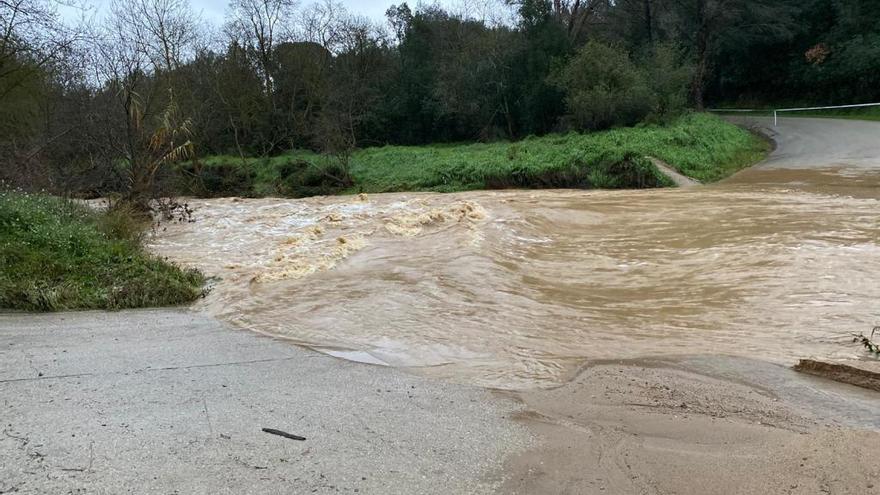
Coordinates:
[172,401]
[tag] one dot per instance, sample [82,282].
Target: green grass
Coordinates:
[701,146]
[59,255]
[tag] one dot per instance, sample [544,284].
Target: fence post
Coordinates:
[775,120]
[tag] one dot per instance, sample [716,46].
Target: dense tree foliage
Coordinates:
[106,106]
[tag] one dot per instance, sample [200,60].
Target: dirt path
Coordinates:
[677,178]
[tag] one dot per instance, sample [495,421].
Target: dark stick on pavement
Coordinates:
[283,434]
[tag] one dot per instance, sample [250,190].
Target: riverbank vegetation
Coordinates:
[57,254]
[700,145]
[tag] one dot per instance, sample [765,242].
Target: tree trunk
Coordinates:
[701,71]
[510,121]
[699,82]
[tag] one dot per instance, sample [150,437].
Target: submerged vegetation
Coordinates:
[867,342]
[57,254]
[698,145]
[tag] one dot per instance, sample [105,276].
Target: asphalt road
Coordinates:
[804,143]
[169,401]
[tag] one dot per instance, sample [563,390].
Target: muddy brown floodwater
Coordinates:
[516,289]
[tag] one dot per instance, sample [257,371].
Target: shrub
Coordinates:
[217,180]
[603,88]
[668,77]
[625,171]
[124,222]
[301,178]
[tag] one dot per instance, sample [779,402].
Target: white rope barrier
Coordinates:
[801,109]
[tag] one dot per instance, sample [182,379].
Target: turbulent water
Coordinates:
[515,289]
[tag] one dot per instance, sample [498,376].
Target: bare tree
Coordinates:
[165,31]
[400,18]
[493,13]
[323,23]
[34,46]
[352,91]
[257,25]
[579,14]
[576,15]
[32,36]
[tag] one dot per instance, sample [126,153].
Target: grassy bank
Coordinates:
[701,146]
[58,255]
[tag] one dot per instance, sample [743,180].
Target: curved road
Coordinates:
[804,143]
[171,401]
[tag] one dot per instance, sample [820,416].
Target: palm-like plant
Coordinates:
[152,151]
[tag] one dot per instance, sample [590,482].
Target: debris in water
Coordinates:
[867,343]
[843,373]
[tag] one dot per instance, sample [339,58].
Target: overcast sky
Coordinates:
[213,10]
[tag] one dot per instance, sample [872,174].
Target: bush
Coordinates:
[124,222]
[612,170]
[626,170]
[604,88]
[216,180]
[668,77]
[301,178]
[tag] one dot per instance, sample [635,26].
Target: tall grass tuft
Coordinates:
[57,254]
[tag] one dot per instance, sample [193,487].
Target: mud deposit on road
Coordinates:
[661,427]
[515,289]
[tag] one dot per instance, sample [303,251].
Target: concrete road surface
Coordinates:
[169,401]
